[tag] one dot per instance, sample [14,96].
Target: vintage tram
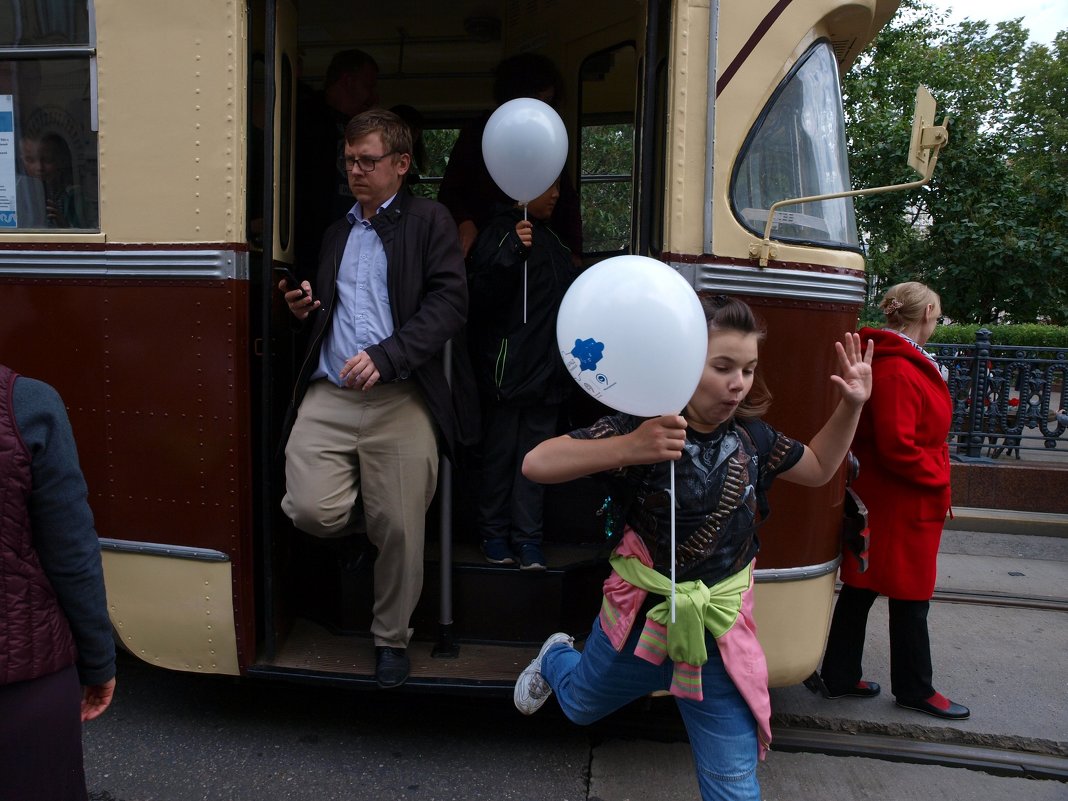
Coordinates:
[151,306]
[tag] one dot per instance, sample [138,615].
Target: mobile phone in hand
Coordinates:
[291,280]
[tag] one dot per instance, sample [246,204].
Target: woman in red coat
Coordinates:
[904,481]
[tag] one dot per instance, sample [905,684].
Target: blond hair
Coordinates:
[904,304]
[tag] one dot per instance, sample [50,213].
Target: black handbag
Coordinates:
[855,534]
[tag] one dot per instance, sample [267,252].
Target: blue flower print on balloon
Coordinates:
[588,352]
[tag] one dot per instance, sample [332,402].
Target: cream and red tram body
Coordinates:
[157,317]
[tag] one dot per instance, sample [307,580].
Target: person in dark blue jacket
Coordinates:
[518,273]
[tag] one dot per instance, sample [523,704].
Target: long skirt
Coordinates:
[41,739]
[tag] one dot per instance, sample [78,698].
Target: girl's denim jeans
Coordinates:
[597,681]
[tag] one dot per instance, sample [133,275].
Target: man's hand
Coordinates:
[360,372]
[300,301]
[468,235]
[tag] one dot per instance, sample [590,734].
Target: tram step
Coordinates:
[502,604]
[491,603]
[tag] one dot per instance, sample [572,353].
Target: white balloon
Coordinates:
[524,146]
[632,333]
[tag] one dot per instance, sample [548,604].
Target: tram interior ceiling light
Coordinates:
[482,28]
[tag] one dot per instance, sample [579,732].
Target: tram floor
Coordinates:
[311,651]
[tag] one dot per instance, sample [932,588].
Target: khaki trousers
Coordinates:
[380,444]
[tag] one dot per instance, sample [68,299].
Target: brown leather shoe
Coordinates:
[391,666]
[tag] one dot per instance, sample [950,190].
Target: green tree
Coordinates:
[606,155]
[990,231]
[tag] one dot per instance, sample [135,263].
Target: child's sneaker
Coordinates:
[531,557]
[497,552]
[531,688]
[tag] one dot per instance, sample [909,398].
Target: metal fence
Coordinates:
[1005,398]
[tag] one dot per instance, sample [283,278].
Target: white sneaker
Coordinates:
[531,688]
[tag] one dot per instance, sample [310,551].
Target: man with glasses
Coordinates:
[372,400]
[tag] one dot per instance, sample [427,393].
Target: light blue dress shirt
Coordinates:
[362,315]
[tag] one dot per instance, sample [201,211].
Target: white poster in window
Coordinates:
[8,213]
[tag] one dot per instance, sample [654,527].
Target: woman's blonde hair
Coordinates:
[904,304]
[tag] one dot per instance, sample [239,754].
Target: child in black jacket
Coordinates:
[518,272]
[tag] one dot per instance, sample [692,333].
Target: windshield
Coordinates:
[798,149]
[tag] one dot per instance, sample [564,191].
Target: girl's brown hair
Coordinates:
[724,313]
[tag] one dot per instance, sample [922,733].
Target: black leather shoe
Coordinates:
[391,666]
[951,711]
[863,689]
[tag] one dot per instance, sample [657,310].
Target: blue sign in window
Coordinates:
[7,121]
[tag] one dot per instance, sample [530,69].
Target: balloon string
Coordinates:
[525,273]
[672,466]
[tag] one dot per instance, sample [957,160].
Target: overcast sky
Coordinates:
[1043,18]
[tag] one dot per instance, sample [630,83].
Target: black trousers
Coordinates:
[510,506]
[41,739]
[910,645]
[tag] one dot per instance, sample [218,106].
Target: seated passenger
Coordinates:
[63,198]
[29,188]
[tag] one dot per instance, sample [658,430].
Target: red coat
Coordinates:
[904,470]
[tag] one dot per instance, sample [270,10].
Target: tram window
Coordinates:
[798,149]
[606,149]
[44,22]
[438,143]
[48,141]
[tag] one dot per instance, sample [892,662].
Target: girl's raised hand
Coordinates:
[855,380]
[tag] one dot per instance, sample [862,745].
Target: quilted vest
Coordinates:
[35,638]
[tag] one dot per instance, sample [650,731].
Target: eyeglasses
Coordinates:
[367,163]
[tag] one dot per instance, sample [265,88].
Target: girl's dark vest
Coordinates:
[35,638]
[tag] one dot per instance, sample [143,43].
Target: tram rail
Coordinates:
[656,719]
[995,761]
[992,598]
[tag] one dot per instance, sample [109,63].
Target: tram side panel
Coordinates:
[799,544]
[155,376]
